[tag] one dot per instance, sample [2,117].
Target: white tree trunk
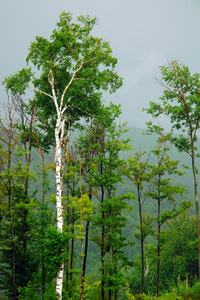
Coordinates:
[59,184]
[59,190]
[59,134]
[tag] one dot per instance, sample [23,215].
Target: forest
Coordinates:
[91,208]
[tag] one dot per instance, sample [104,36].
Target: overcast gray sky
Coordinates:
[143,34]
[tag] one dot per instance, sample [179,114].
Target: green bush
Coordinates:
[194,292]
[28,292]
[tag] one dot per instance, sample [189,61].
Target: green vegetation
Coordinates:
[90,209]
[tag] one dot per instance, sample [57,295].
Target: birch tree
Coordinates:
[74,68]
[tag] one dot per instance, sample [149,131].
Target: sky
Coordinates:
[143,34]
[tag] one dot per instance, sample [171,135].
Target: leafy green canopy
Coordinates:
[180,101]
[78,65]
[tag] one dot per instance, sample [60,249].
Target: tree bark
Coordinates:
[10,211]
[43,230]
[196,205]
[59,207]
[158,246]
[141,239]
[102,244]
[85,252]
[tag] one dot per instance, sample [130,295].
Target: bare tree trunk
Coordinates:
[67,248]
[10,207]
[43,230]
[158,266]
[102,245]
[142,235]
[110,241]
[73,239]
[85,254]
[142,246]
[196,206]
[158,246]
[59,189]
[12,239]
[116,289]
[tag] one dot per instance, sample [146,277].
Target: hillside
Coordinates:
[143,142]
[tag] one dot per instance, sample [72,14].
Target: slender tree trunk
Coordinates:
[84,260]
[158,246]
[142,236]
[196,205]
[110,272]
[12,247]
[116,289]
[12,250]
[158,266]
[67,267]
[70,263]
[10,213]
[68,212]
[59,135]
[43,230]
[86,249]
[85,252]
[42,216]
[13,260]
[102,244]
[142,249]
[73,240]
[26,184]
[59,207]
[72,249]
